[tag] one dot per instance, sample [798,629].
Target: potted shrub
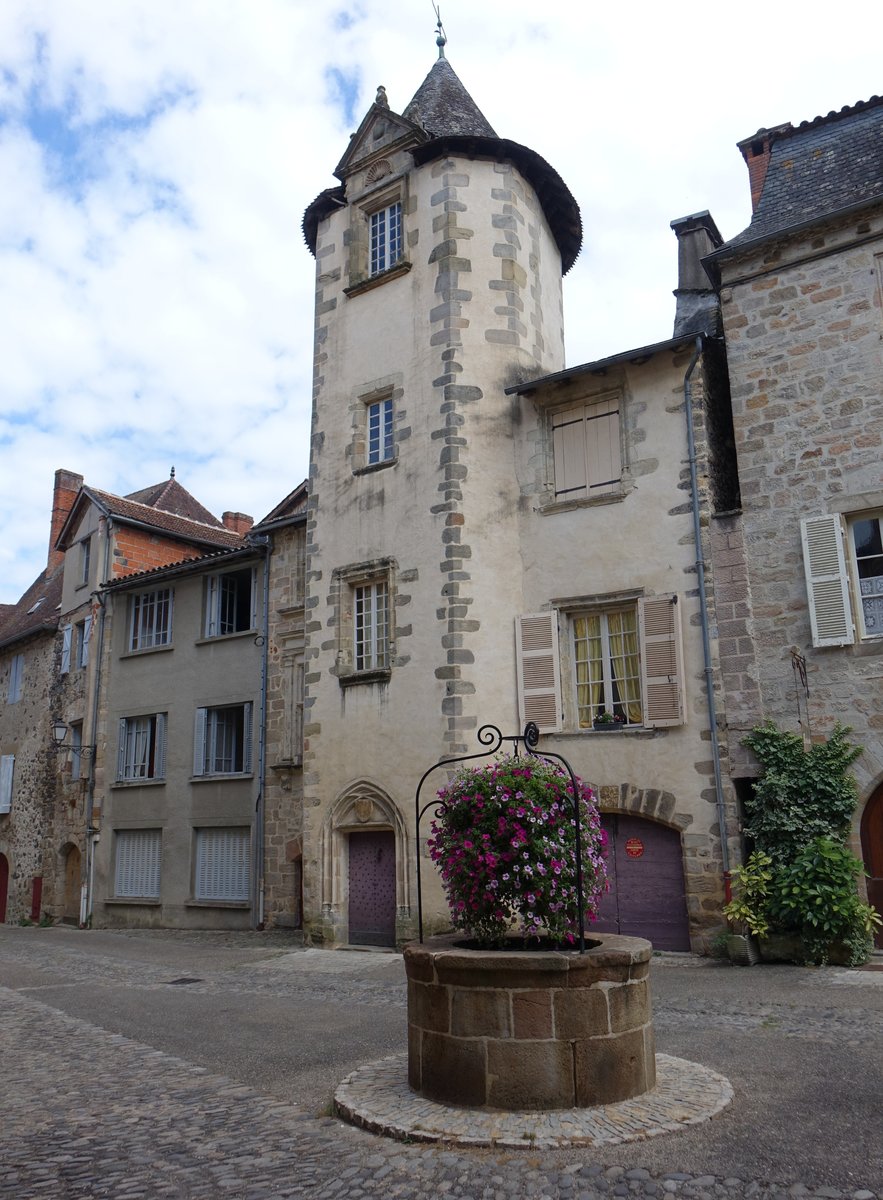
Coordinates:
[748,911]
[608,721]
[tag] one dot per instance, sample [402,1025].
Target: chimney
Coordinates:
[697,304]
[756,151]
[237,522]
[67,488]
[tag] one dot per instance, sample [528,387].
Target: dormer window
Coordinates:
[385,237]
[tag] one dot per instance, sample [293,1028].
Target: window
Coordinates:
[84,634]
[76,748]
[141,753]
[222,742]
[380,444]
[586,449]
[138,861]
[66,639]
[835,556]
[7,770]
[150,620]
[16,674]
[371,630]
[229,603]
[222,864]
[385,234]
[85,559]
[625,659]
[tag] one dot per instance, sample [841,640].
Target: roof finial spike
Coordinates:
[441,41]
[172,473]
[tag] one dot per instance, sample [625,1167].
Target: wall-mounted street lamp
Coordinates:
[59,734]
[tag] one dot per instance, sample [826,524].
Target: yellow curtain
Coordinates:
[589,674]
[625,662]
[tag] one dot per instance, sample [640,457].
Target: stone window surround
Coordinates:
[344,581]
[568,608]
[387,191]
[385,387]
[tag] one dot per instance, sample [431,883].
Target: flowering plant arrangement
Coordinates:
[504,841]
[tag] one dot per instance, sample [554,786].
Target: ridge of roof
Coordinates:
[289,507]
[443,106]
[171,497]
[176,526]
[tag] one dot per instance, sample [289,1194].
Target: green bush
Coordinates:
[802,794]
[749,908]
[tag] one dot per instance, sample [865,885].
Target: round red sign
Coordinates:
[634,847]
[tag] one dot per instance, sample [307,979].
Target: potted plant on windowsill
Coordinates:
[747,912]
[608,721]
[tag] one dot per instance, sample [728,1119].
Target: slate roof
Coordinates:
[134,512]
[821,167]
[17,623]
[444,108]
[172,498]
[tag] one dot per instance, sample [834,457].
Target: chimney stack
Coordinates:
[756,151]
[67,488]
[237,522]
[697,304]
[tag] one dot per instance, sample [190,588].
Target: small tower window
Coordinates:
[386,237]
[381,447]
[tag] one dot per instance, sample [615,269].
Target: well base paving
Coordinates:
[377,1098]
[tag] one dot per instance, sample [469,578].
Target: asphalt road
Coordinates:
[88,1018]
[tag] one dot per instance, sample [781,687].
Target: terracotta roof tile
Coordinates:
[175,526]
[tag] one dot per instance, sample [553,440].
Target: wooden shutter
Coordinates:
[246,737]
[212,604]
[159,750]
[138,860]
[16,671]
[7,770]
[603,453]
[121,751]
[66,637]
[538,670]
[222,864]
[569,451]
[199,742]
[827,583]
[662,661]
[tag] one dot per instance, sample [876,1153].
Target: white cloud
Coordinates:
[158,308]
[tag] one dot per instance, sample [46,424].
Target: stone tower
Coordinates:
[439,260]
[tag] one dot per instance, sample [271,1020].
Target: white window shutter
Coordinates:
[159,752]
[662,661]
[827,582]
[121,752]
[66,635]
[222,864]
[538,670]
[199,742]
[7,770]
[138,863]
[246,738]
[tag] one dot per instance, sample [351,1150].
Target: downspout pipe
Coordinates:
[264,543]
[92,834]
[703,610]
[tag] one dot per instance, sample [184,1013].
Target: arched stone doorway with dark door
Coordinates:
[647,897]
[72,884]
[872,852]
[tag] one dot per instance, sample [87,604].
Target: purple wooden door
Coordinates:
[372,888]
[646,872]
[4,885]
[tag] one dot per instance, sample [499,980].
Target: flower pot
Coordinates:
[608,726]
[742,950]
[530,1029]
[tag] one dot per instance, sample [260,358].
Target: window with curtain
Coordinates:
[607,665]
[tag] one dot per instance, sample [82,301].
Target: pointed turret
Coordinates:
[443,107]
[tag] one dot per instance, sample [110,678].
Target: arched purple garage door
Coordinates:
[372,908]
[646,872]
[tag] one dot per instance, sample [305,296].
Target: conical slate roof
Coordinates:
[443,107]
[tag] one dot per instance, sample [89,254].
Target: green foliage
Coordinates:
[749,908]
[802,794]
[815,895]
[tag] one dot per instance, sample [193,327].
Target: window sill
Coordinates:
[133,783]
[146,650]
[370,468]
[868,647]
[231,776]
[144,901]
[365,285]
[557,506]
[225,637]
[634,731]
[288,764]
[243,904]
[353,678]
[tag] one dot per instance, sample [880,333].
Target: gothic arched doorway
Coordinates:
[872,852]
[72,879]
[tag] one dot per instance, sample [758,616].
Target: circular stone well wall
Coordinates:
[530,1029]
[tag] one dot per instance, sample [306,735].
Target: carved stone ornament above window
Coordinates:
[379,171]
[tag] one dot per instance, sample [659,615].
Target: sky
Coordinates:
[156,157]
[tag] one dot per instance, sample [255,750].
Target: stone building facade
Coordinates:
[799,570]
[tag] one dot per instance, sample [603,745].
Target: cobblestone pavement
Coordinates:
[89,1112]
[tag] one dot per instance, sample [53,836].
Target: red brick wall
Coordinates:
[137,550]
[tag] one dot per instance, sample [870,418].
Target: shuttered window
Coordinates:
[16,675]
[222,867]
[222,740]
[607,666]
[662,661]
[66,639]
[7,770]
[142,747]
[84,636]
[586,449]
[827,584]
[538,670]
[138,862]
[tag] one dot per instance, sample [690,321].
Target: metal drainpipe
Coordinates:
[262,542]
[703,609]
[91,834]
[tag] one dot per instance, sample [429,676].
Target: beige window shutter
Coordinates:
[569,449]
[827,582]
[603,455]
[538,670]
[662,661]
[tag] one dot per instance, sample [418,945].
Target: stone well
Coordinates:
[530,1029]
